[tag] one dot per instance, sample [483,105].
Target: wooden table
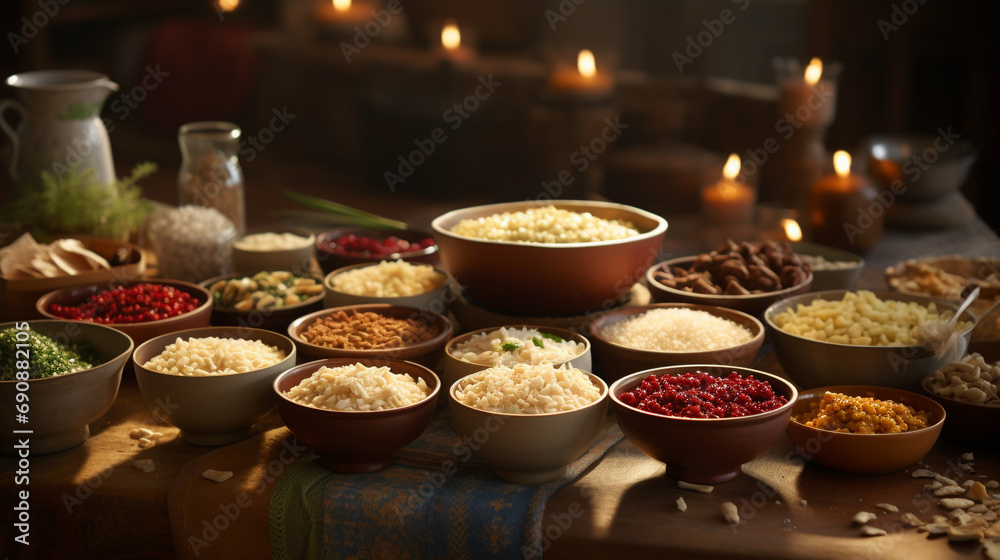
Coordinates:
[89,502]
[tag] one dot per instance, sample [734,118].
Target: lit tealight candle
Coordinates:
[452,47]
[344,14]
[729,201]
[584,80]
[792,230]
[844,210]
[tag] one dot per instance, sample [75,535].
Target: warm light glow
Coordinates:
[341,5]
[792,230]
[451,37]
[586,64]
[228,5]
[732,168]
[842,163]
[814,71]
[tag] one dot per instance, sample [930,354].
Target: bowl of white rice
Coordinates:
[529,422]
[511,345]
[213,383]
[633,339]
[397,282]
[357,412]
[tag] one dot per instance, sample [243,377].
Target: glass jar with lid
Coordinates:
[210,173]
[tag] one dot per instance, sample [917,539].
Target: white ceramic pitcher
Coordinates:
[60,126]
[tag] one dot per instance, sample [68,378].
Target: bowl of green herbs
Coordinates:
[58,377]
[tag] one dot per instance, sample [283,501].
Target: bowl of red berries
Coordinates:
[337,248]
[703,421]
[142,309]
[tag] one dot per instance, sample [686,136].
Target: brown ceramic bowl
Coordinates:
[703,451]
[865,453]
[274,319]
[427,353]
[138,332]
[969,423]
[455,368]
[816,363]
[62,407]
[211,409]
[356,441]
[614,361]
[537,279]
[754,304]
[330,257]
[530,448]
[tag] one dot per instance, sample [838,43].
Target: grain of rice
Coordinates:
[359,388]
[527,389]
[511,346]
[214,356]
[676,329]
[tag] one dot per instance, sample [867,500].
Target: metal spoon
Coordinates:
[940,335]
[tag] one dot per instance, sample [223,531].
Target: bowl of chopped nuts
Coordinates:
[968,391]
[832,268]
[864,428]
[747,277]
[71,372]
[266,300]
[374,331]
[703,421]
[142,309]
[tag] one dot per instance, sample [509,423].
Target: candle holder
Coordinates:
[807,106]
[729,201]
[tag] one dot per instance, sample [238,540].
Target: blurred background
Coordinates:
[335,106]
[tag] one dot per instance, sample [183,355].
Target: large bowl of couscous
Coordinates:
[534,258]
[840,337]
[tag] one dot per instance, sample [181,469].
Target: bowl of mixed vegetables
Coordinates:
[268,300]
[70,371]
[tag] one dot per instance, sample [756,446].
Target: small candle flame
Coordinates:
[792,230]
[451,37]
[586,64]
[228,5]
[842,163]
[732,168]
[341,5]
[814,71]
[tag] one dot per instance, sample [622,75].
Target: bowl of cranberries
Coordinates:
[142,308]
[703,421]
[337,248]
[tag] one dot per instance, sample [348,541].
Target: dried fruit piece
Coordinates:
[888,507]
[923,473]
[978,492]
[945,480]
[961,533]
[145,465]
[910,520]
[869,531]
